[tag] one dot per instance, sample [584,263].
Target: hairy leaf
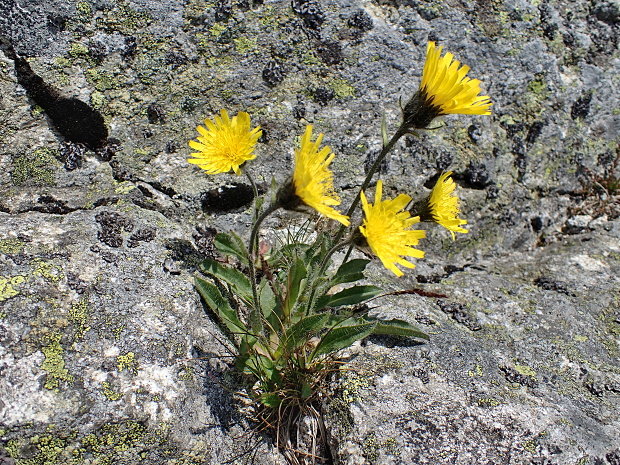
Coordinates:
[351,296]
[351,271]
[231,244]
[341,337]
[396,327]
[219,305]
[239,281]
[303,330]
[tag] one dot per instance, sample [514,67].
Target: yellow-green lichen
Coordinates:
[122,18]
[54,363]
[7,286]
[127,362]
[529,445]
[113,443]
[109,393]
[244,45]
[36,168]
[124,187]
[217,29]
[525,370]
[11,245]
[187,373]
[78,50]
[101,80]
[48,271]
[477,371]
[78,314]
[342,88]
[487,402]
[83,9]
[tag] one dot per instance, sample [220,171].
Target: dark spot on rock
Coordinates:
[424,320]
[176,58]
[112,225]
[443,160]
[97,50]
[581,107]
[108,150]
[147,133]
[360,20]
[56,23]
[613,457]
[607,11]
[189,104]
[512,129]
[155,113]
[459,313]
[172,146]
[474,132]
[184,252]
[537,223]
[72,155]
[548,25]
[550,284]
[427,13]
[330,52]
[595,388]
[223,10]
[130,47]
[49,204]
[492,192]
[310,11]
[75,283]
[229,197]
[422,375]
[203,238]
[323,95]
[141,235]
[513,376]
[475,176]
[534,132]
[273,74]
[299,111]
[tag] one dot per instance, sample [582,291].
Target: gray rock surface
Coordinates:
[106,353]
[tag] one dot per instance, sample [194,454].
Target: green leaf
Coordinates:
[341,337]
[396,327]
[231,244]
[239,281]
[306,390]
[350,271]
[303,330]
[296,274]
[270,399]
[351,296]
[219,305]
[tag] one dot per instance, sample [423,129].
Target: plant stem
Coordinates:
[375,166]
[251,248]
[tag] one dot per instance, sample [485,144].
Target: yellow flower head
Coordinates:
[313,182]
[386,229]
[445,89]
[443,206]
[225,144]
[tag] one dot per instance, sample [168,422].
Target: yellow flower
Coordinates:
[225,144]
[313,182]
[386,229]
[443,206]
[445,89]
